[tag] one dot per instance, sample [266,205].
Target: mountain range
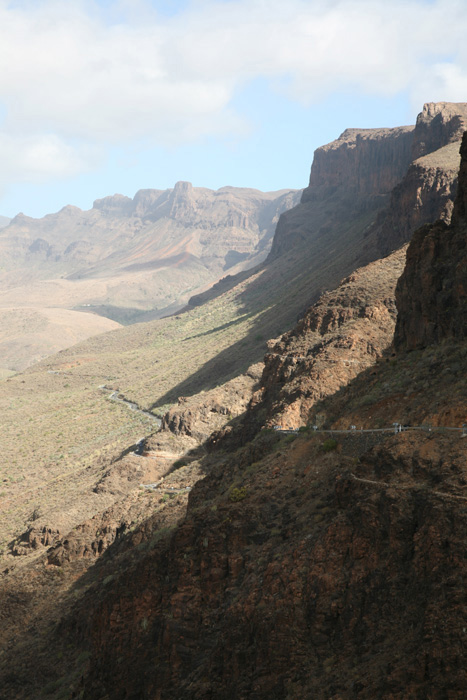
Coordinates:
[218,556]
[125,259]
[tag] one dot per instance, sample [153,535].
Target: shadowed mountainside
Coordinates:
[308,567]
[432,292]
[297,569]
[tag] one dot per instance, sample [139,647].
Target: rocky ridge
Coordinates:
[321,570]
[344,333]
[127,259]
[432,292]
[297,569]
[221,228]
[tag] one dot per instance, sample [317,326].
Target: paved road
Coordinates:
[396,428]
[116,396]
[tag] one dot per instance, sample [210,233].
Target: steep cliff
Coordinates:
[432,292]
[362,161]
[427,191]
[345,332]
[348,176]
[406,176]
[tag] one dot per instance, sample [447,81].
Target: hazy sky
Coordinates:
[105,96]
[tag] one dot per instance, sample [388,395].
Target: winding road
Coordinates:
[116,396]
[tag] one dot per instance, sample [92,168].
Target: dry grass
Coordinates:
[59,430]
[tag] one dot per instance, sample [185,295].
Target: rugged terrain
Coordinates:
[74,429]
[328,569]
[128,259]
[299,566]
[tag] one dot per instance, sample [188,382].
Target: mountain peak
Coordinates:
[182,186]
[117,203]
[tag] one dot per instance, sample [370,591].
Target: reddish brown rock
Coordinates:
[345,332]
[432,292]
[199,416]
[324,582]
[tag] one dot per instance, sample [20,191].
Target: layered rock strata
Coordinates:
[406,175]
[345,332]
[432,292]
[427,191]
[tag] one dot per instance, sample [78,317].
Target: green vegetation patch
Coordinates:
[329,445]
[238,494]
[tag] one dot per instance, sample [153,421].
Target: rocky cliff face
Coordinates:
[345,332]
[407,176]
[438,124]
[427,191]
[362,161]
[352,174]
[432,292]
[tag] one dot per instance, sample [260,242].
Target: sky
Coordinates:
[106,96]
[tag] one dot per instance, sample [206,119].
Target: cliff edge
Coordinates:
[431,295]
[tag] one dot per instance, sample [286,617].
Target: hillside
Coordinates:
[27,334]
[127,259]
[307,567]
[75,430]
[287,550]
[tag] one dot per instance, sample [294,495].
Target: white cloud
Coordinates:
[68,73]
[41,158]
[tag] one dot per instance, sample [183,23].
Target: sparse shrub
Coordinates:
[160,535]
[238,494]
[328,445]
[289,438]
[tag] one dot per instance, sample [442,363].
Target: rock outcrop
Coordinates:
[364,162]
[427,191]
[199,416]
[345,332]
[438,124]
[406,175]
[432,292]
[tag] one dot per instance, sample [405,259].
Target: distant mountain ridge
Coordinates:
[220,227]
[128,259]
[338,555]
